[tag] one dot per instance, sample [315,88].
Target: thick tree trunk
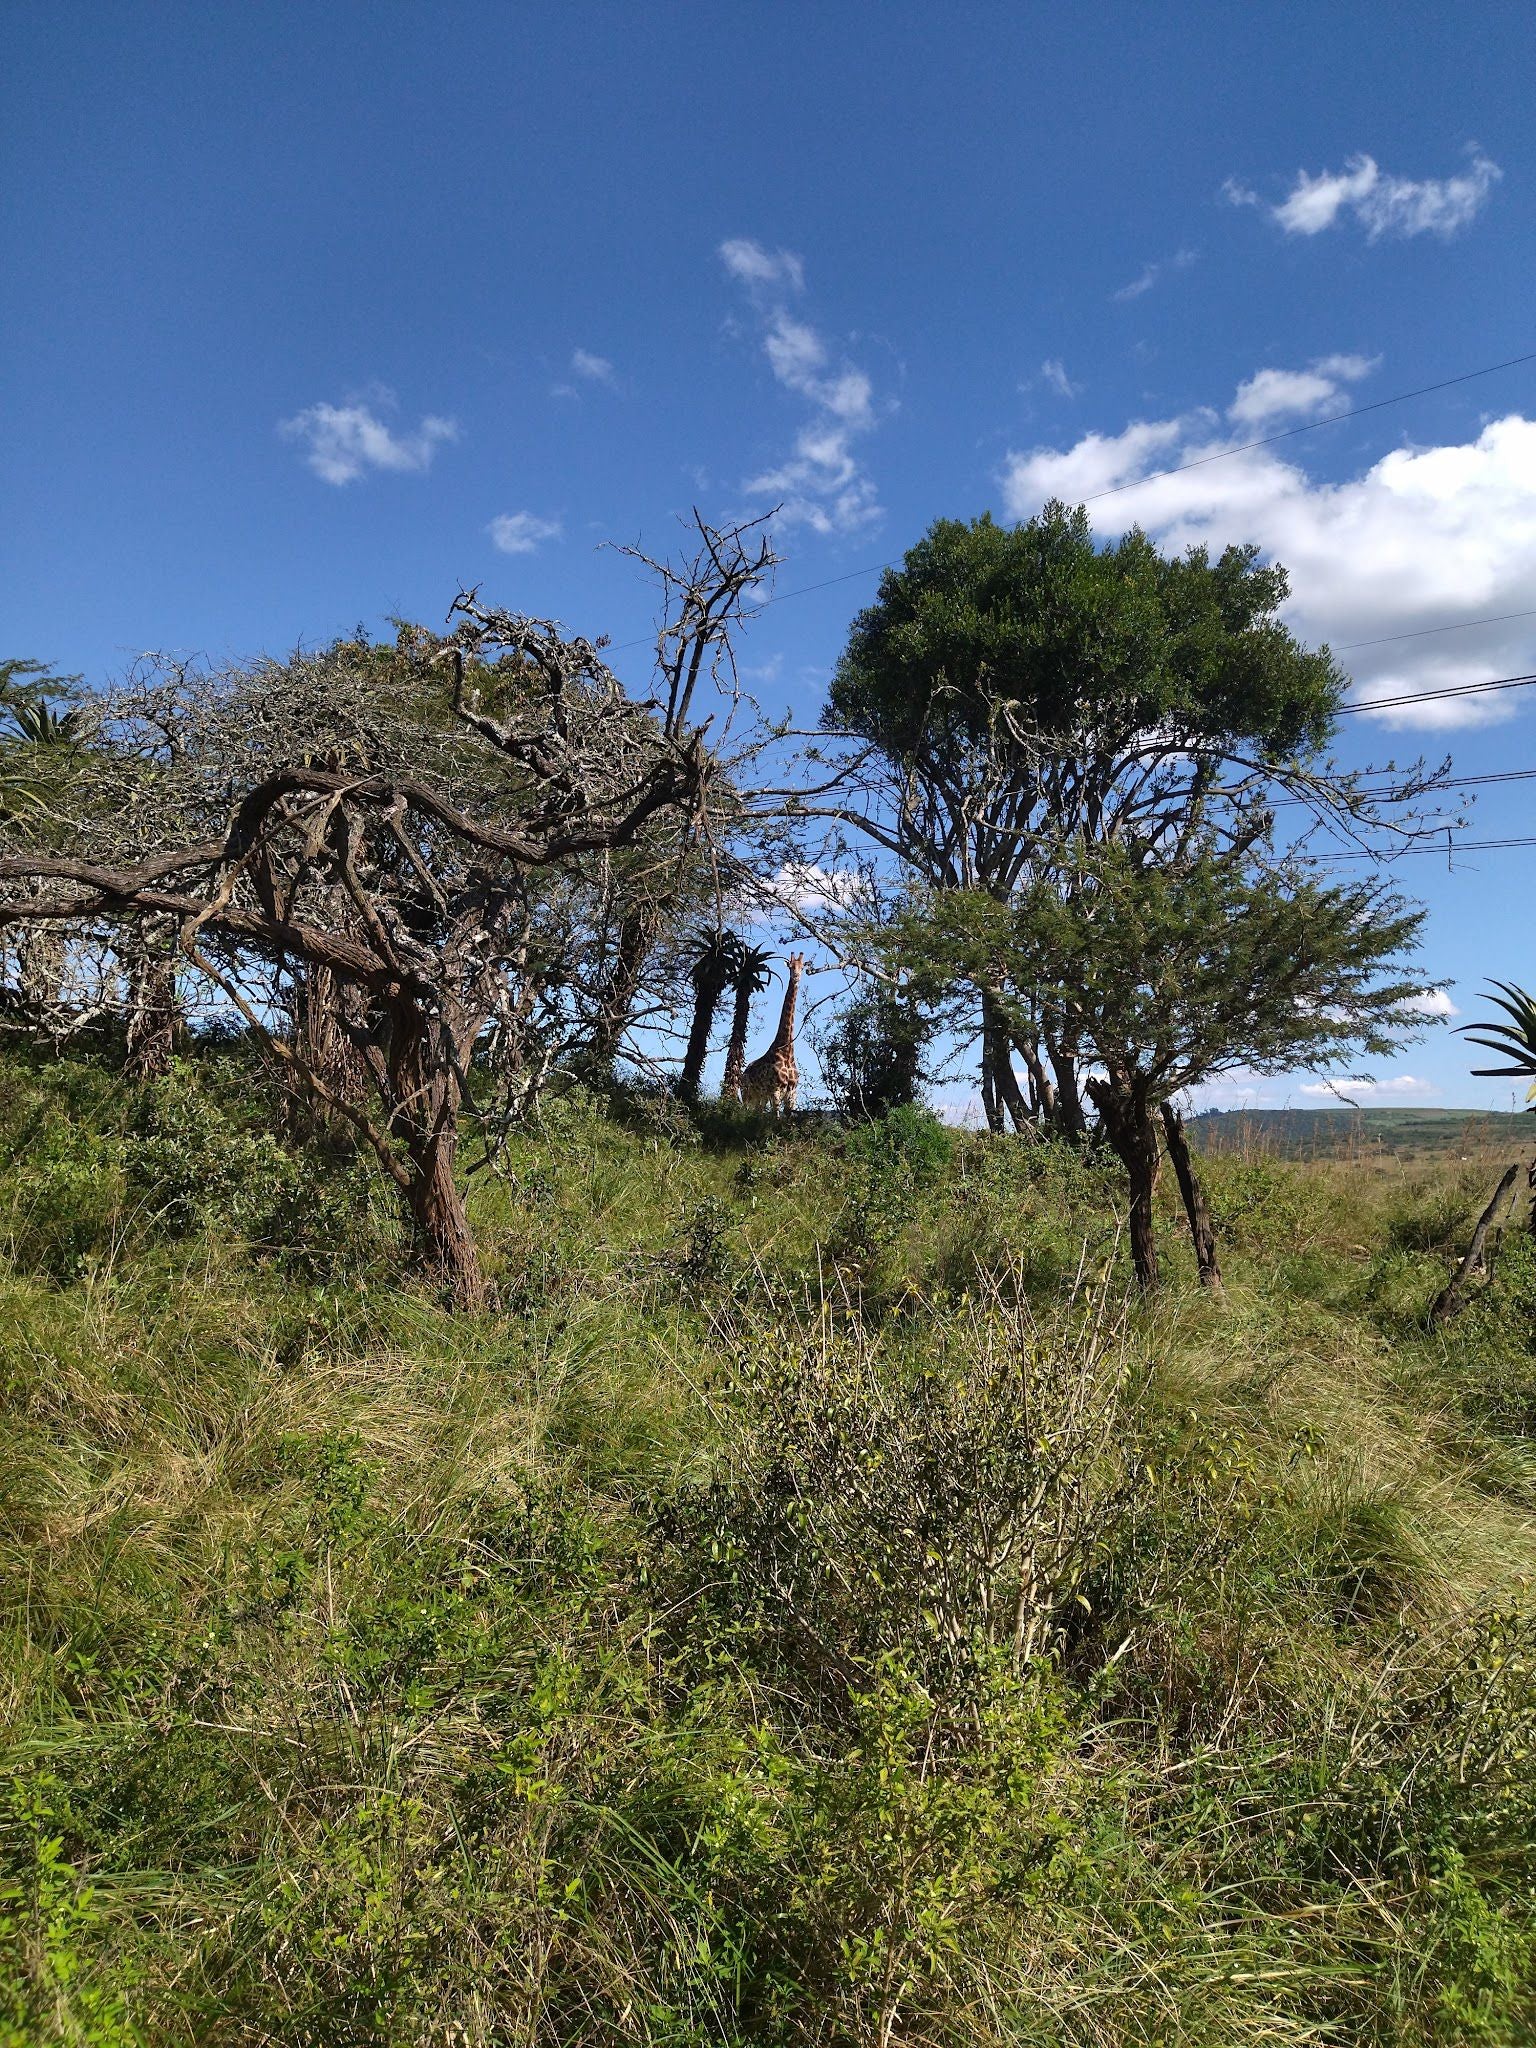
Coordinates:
[426,1095]
[736,1050]
[442,1241]
[1128,1125]
[1071,1119]
[705,1003]
[1196,1208]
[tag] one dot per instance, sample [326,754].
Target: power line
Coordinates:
[1452,846]
[1451,782]
[1200,462]
[1423,632]
[1433,696]
[1311,426]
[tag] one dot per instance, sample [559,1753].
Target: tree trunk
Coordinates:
[991,1094]
[736,1050]
[1070,1118]
[1128,1125]
[426,1095]
[442,1241]
[1449,1299]
[1042,1088]
[1201,1229]
[324,1049]
[637,931]
[1010,1094]
[154,1017]
[706,1002]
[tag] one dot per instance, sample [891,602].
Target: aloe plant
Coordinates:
[1515,1041]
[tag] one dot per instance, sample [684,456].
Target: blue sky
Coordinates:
[316,313]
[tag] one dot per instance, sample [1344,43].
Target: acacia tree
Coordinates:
[1021,694]
[1175,969]
[428,884]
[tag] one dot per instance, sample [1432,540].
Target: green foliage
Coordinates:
[1038,616]
[872,1056]
[1514,1041]
[642,1663]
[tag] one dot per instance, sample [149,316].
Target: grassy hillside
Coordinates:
[1364,1133]
[814,1607]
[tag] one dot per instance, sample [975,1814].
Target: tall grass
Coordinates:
[816,1606]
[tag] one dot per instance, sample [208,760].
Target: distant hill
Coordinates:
[1342,1132]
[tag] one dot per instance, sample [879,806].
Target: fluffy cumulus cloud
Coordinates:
[1376,200]
[821,483]
[343,442]
[593,369]
[1432,1002]
[1272,395]
[521,533]
[1422,540]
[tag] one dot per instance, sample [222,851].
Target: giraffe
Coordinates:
[770,1081]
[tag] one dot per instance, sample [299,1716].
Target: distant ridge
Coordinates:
[1332,1133]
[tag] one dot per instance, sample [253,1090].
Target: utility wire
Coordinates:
[1424,632]
[1433,696]
[1451,782]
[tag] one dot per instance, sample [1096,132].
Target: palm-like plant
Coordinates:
[754,971]
[1515,1041]
[716,955]
[37,732]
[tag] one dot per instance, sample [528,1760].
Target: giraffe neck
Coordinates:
[785,1035]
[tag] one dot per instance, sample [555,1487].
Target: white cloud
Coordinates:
[1271,395]
[1055,374]
[596,369]
[1181,259]
[808,887]
[1432,1002]
[1369,1091]
[345,440]
[770,270]
[1424,538]
[521,533]
[821,483]
[1380,202]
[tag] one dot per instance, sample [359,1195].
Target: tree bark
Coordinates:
[1070,1118]
[426,1121]
[1449,1299]
[637,933]
[991,1092]
[1043,1089]
[154,1017]
[706,1002]
[1196,1208]
[1127,1120]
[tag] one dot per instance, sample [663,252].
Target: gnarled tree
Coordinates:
[429,885]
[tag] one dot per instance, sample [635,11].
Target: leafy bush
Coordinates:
[190,1165]
[943,1509]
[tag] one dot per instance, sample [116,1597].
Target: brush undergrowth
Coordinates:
[814,1607]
